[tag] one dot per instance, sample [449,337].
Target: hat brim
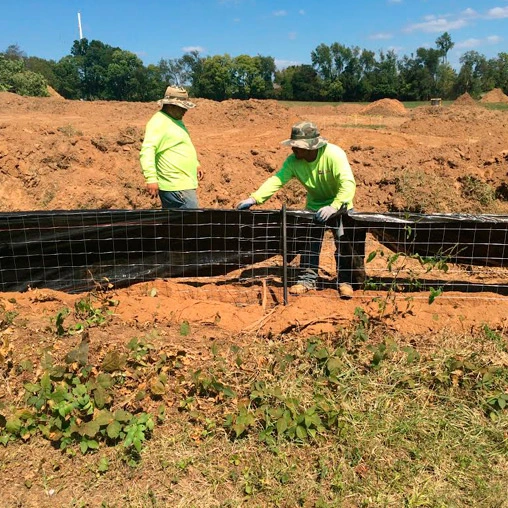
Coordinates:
[306,144]
[177,102]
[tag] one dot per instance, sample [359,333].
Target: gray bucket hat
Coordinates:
[176,96]
[305,135]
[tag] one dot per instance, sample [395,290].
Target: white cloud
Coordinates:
[437,24]
[280,13]
[468,44]
[474,43]
[282,64]
[497,13]
[494,39]
[470,13]
[380,36]
[188,49]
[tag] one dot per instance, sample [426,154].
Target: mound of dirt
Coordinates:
[385,107]
[464,100]
[495,95]
[53,93]
[60,154]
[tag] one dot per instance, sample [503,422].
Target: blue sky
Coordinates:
[288,31]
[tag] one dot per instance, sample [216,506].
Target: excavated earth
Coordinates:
[57,154]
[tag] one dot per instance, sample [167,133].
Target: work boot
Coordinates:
[300,288]
[346,291]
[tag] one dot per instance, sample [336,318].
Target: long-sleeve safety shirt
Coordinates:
[328,179]
[167,155]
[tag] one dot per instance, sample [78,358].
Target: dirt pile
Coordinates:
[495,96]
[464,100]
[60,154]
[385,107]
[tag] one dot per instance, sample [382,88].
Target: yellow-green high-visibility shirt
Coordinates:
[328,180]
[167,155]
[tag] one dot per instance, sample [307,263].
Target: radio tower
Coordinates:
[79,26]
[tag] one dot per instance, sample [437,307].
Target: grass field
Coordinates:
[361,417]
[407,104]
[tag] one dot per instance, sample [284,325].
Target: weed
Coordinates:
[69,131]
[477,190]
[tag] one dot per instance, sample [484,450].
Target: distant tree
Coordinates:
[14,52]
[472,72]
[68,78]
[173,71]
[444,44]
[445,81]
[215,78]
[15,78]
[384,77]
[498,72]
[251,77]
[122,75]
[42,66]
[306,84]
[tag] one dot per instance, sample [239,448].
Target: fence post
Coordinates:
[284,256]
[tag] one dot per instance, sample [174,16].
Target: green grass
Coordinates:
[362,416]
[496,106]
[407,104]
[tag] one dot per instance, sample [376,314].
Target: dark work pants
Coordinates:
[349,251]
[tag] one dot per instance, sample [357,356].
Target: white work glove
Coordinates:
[324,213]
[246,204]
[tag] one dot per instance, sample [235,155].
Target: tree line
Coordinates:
[97,71]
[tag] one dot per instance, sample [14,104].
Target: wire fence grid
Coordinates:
[246,255]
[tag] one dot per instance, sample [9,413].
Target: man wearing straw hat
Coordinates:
[324,171]
[168,158]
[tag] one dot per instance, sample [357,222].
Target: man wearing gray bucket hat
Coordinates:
[324,171]
[168,158]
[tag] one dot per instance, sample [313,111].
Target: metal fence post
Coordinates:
[284,256]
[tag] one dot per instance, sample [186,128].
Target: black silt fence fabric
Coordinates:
[76,250]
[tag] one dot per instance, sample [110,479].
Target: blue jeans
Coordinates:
[349,252]
[179,199]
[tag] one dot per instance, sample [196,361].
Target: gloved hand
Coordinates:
[246,204]
[324,213]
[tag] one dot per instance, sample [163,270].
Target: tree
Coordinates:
[215,78]
[471,74]
[68,79]
[14,52]
[15,78]
[121,73]
[444,44]
[385,80]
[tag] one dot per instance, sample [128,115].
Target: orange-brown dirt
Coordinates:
[60,155]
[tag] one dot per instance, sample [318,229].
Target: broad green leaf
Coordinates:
[113,430]
[301,432]
[90,428]
[239,429]
[103,465]
[122,416]
[104,417]
[13,425]
[282,425]
[79,354]
[99,396]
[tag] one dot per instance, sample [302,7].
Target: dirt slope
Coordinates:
[58,154]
